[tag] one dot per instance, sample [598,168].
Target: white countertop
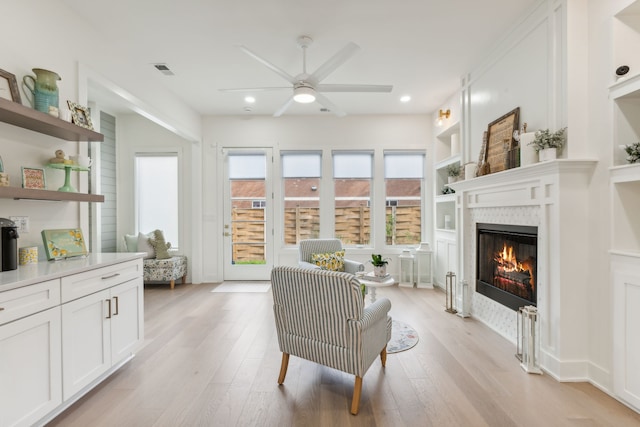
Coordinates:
[47,270]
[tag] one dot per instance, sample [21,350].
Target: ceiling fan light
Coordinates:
[304,95]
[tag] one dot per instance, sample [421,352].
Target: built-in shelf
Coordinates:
[28,118]
[625,173]
[446,162]
[446,230]
[443,198]
[31,194]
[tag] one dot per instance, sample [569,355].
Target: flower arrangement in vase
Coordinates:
[453,172]
[549,144]
[379,265]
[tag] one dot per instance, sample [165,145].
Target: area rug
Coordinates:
[403,337]
[242,287]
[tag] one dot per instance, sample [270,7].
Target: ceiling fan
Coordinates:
[307,88]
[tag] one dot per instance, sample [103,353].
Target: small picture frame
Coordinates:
[9,87]
[80,115]
[63,243]
[33,178]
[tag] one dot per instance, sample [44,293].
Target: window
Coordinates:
[301,173]
[258,204]
[157,203]
[404,175]
[352,174]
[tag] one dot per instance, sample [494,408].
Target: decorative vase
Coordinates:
[528,155]
[43,89]
[380,271]
[452,179]
[547,154]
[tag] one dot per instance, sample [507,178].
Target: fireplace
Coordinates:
[506,264]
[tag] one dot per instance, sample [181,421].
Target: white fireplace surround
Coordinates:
[552,196]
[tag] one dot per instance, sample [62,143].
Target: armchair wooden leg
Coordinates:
[357,390]
[383,356]
[172,283]
[283,368]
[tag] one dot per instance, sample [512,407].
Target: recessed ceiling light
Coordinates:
[249,99]
[405,98]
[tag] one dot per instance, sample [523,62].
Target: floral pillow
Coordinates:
[333,261]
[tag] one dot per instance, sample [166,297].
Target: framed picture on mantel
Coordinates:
[500,140]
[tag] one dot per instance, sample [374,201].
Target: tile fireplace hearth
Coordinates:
[547,197]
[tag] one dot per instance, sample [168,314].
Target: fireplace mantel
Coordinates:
[535,172]
[552,196]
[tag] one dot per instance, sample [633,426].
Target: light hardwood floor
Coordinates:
[212,359]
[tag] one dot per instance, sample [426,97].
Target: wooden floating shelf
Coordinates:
[31,194]
[37,121]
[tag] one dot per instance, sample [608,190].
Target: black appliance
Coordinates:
[8,244]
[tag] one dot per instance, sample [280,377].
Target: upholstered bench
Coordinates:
[163,270]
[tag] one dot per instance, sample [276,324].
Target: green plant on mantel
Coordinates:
[546,139]
[453,169]
[633,152]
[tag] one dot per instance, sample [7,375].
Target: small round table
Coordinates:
[372,284]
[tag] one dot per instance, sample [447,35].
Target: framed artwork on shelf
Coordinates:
[501,141]
[80,115]
[63,243]
[9,87]
[33,178]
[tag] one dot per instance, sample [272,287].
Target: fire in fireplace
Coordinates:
[506,264]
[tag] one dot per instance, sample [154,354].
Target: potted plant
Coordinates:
[548,144]
[453,171]
[633,152]
[379,265]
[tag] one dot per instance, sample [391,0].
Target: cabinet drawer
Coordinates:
[88,282]
[21,302]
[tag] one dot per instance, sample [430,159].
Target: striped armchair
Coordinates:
[320,316]
[318,246]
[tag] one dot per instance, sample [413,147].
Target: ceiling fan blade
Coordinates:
[335,61]
[279,71]
[354,88]
[284,107]
[324,101]
[254,89]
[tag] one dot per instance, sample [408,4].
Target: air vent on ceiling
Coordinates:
[164,69]
[325,110]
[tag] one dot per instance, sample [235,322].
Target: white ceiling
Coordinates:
[421,47]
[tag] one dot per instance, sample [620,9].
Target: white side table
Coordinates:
[373,284]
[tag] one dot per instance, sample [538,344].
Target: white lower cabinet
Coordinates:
[100,330]
[446,260]
[64,328]
[30,374]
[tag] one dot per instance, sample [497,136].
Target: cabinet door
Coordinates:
[85,341]
[30,368]
[127,321]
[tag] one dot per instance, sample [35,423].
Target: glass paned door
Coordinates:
[248,236]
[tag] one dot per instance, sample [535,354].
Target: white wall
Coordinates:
[300,132]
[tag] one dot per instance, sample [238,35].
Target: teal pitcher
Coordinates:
[43,88]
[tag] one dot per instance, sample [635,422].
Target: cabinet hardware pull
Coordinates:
[1,308]
[115,313]
[109,308]
[111,276]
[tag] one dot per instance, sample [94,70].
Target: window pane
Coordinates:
[301,180]
[352,211]
[157,195]
[403,205]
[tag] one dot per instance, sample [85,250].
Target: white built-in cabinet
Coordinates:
[625,205]
[61,336]
[446,152]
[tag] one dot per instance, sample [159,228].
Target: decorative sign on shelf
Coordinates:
[502,147]
[63,243]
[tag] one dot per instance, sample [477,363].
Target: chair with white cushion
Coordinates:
[320,316]
[321,246]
